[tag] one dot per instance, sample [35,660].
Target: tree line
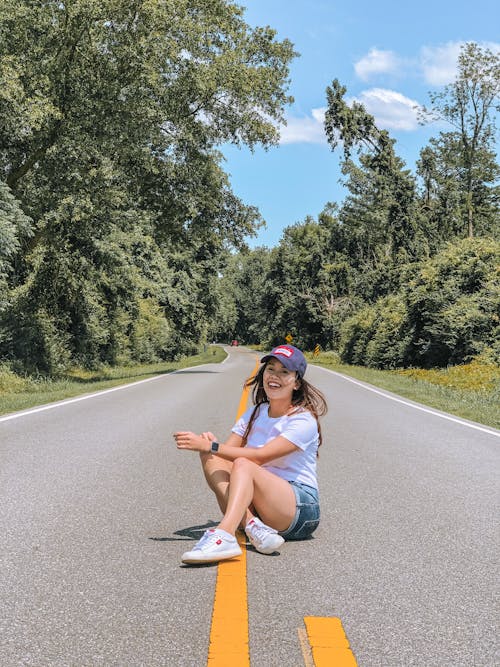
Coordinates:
[121,240]
[116,217]
[405,272]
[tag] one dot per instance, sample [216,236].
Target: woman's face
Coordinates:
[279,382]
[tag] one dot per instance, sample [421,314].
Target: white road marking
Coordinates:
[67,401]
[443,415]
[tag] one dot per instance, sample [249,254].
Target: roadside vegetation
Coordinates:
[471,391]
[123,247]
[22,392]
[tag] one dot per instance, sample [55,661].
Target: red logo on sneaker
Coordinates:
[219,542]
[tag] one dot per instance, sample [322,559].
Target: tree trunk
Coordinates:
[469,221]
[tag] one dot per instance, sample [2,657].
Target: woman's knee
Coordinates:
[212,463]
[241,465]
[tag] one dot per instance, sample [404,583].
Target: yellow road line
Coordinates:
[329,644]
[229,632]
[244,394]
[229,646]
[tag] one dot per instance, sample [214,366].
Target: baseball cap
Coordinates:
[291,357]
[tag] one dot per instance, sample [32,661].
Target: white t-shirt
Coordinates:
[300,428]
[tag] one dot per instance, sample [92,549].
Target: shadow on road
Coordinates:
[189,372]
[186,534]
[107,378]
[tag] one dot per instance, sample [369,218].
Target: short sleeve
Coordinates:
[240,427]
[301,430]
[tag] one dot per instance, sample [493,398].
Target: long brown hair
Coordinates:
[306,396]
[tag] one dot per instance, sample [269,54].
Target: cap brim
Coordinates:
[282,360]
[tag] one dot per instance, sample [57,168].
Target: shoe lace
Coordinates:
[207,538]
[260,530]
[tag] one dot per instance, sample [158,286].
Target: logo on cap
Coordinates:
[285,351]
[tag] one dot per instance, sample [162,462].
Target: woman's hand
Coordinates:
[191,441]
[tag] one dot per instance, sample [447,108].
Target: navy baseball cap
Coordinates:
[291,357]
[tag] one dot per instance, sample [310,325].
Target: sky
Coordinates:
[388,55]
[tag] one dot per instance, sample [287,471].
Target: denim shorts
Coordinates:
[306,518]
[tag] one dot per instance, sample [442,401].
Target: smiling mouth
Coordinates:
[273,385]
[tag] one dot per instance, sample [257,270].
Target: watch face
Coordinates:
[215,446]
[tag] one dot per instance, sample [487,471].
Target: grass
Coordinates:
[20,393]
[471,391]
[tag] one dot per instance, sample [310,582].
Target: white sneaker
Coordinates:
[215,545]
[264,538]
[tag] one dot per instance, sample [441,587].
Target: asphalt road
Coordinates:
[97,505]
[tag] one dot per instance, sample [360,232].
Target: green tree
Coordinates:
[308,284]
[15,228]
[446,312]
[376,335]
[440,195]
[110,116]
[465,156]
[453,303]
[380,218]
[243,291]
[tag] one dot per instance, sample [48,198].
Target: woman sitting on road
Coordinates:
[264,475]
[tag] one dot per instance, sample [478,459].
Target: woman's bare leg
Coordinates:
[272,497]
[217,472]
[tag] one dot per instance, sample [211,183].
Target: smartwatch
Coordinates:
[214,447]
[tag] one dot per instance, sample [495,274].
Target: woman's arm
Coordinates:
[234,440]
[273,449]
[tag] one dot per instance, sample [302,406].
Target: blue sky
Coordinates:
[388,54]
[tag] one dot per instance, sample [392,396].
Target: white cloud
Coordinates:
[439,63]
[305,130]
[391,110]
[377,62]
[436,64]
